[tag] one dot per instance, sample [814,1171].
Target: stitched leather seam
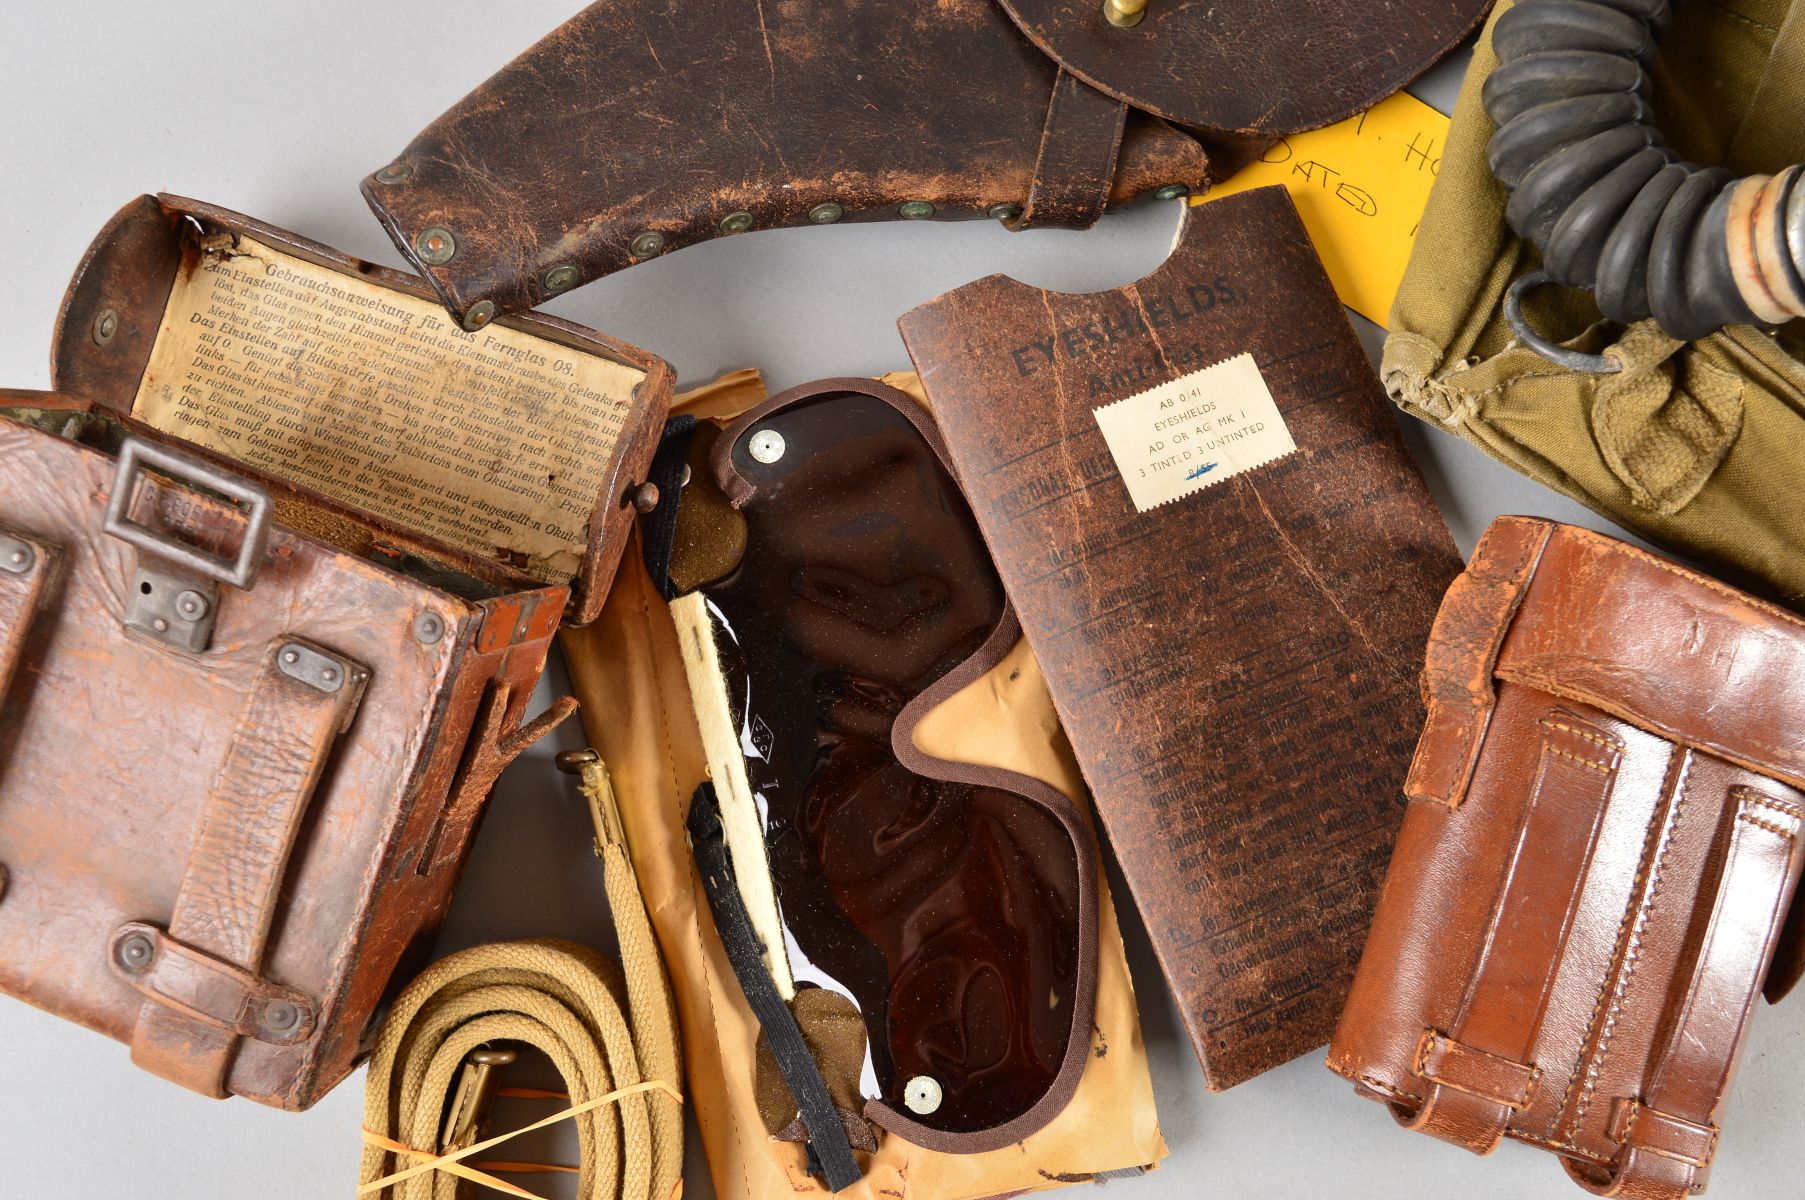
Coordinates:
[1379,1085]
[1632,954]
[1757,799]
[1610,744]
[1758,823]
[1637,1108]
[1420,1068]
[1548,1143]
[1606,768]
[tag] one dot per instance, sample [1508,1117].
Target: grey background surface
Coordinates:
[277,110]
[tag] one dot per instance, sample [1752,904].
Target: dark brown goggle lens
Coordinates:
[951,911]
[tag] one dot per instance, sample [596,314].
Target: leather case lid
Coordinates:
[210,326]
[1590,884]
[1263,67]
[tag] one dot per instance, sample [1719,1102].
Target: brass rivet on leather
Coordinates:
[915,210]
[429,627]
[1124,14]
[560,278]
[826,214]
[645,245]
[105,326]
[479,316]
[645,497]
[1003,212]
[736,222]
[435,246]
[134,952]
[396,172]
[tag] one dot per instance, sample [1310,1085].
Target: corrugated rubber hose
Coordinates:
[1611,207]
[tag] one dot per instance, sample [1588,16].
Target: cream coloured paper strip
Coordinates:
[1193,431]
[496,442]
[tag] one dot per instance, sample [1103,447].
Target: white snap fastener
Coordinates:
[921,1095]
[766,445]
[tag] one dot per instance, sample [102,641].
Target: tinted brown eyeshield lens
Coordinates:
[953,903]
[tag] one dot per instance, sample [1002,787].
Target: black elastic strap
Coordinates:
[660,525]
[829,1149]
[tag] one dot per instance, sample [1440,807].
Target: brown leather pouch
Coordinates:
[1602,844]
[267,634]
[638,128]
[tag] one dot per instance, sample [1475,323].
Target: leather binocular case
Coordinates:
[1591,886]
[274,594]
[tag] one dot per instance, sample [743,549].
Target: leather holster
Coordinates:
[637,127]
[1592,881]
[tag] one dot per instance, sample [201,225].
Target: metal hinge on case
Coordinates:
[174,595]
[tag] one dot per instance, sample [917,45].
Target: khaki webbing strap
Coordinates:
[610,1032]
[304,697]
[1669,1134]
[1077,160]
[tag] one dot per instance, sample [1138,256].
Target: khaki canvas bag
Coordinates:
[1700,445]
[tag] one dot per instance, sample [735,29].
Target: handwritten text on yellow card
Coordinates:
[1361,186]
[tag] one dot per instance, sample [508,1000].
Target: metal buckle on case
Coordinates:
[175,591]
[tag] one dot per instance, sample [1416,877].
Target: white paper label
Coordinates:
[1196,430]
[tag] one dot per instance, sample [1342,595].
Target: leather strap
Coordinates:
[25,566]
[1077,159]
[659,528]
[201,975]
[829,1150]
[1480,1072]
[564,1000]
[493,746]
[24,575]
[1463,649]
[1669,1135]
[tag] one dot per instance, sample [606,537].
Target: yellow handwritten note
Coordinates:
[1361,186]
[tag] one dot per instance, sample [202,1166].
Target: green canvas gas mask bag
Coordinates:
[1697,445]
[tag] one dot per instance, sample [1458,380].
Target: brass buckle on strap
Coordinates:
[598,790]
[478,1082]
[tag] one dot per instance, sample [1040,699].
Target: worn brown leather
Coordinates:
[129,269]
[1235,668]
[1603,839]
[666,118]
[1254,68]
[208,856]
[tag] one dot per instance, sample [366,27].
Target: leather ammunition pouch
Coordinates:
[1603,841]
[638,128]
